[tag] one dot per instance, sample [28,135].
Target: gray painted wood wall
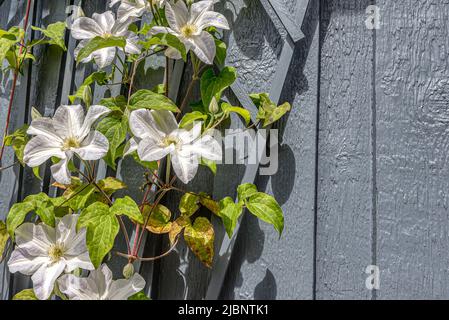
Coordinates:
[364,172]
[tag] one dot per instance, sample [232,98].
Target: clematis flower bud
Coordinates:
[128,271]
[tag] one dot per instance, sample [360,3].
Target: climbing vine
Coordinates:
[70,239]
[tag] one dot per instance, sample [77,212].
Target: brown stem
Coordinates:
[135,257]
[14,82]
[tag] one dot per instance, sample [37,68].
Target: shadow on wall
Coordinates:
[249,245]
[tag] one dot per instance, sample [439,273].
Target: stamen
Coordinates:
[189,30]
[70,143]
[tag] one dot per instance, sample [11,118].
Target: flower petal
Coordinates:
[60,172]
[81,45]
[158,29]
[44,279]
[150,151]
[130,147]
[35,239]
[165,120]
[93,114]
[85,28]
[21,261]
[94,147]
[40,149]
[131,45]
[199,8]
[102,277]
[68,120]
[204,47]
[143,125]
[123,289]
[177,15]
[66,229]
[172,53]
[212,19]
[77,288]
[104,57]
[105,20]
[185,167]
[43,127]
[209,148]
[130,10]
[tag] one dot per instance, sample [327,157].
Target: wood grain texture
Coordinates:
[412,145]
[260,258]
[344,191]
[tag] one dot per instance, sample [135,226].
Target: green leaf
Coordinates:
[191,117]
[17,215]
[245,114]
[245,191]
[80,197]
[8,41]
[18,141]
[27,294]
[159,222]
[114,129]
[147,99]
[4,236]
[102,229]
[99,77]
[111,185]
[200,239]
[117,104]
[269,112]
[139,296]
[212,165]
[266,208]
[213,86]
[188,204]
[230,212]
[128,207]
[98,43]
[220,56]
[166,40]
[55,33]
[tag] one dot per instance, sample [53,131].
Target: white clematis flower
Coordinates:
[100,286]
[103,25]
[68,132]
[156,135]
[44,253]
[189,24]
[135,8]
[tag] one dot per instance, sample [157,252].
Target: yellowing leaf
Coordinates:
[209,203]
[189,204]
[176,228]
[111,185]
[159,222]
[4,236]
[200,239]
[27,294]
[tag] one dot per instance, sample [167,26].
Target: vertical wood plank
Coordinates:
[264,266]
[344,191]
[413,168]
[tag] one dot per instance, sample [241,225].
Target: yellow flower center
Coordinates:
[189,30]
[70,143]
[55,253]
[169,141]
[107,35]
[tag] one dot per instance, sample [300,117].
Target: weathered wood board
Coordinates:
[363,172]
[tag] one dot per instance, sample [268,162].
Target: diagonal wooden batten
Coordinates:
[223,256]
